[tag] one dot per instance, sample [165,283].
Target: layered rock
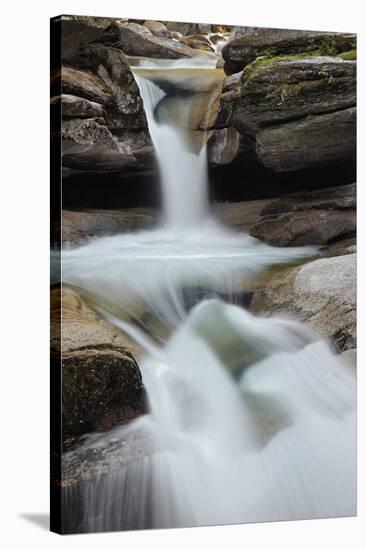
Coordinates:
[293,102]
[314,217]
[249,43]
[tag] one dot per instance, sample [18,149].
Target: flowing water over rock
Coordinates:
[250,419]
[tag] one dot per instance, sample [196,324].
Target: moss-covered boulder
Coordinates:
[282,89]
[251,42]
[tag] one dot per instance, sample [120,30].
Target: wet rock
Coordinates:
[81,225]
[137,40]
[313,142]
[248,43]
[101,381]
[322,293]
[281,91]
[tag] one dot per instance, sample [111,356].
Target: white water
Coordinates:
[250,418]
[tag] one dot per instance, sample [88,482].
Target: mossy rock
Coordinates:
[243,50]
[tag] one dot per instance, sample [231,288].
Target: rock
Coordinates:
[188,28]
[157,28]
[241,215]
[309,218]
[101,381]
[281,91]
[248,43]
[78,33]
[109,70]
[336,198]
[316,227]
[198,42]
[231,90]
[137,40]
[312,142]
[322,293]
[88,144]
[223,146]
[104,125]
[78,107]
[80,225]
[83,84]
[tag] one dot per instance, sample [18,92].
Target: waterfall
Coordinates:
[183,177]
[250,418]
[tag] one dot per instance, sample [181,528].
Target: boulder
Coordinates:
[137,40]
[310,143]
[108,70]
[248,43]
[322,293]
[157,28]
[101,381]
[279,91]
[188,28]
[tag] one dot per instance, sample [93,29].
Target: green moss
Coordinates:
[269,59]
[328,47]
[350,55]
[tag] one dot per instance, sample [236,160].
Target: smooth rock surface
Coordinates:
[322,293]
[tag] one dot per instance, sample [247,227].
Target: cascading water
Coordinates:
[250,418]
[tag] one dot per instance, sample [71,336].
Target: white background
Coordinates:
[24,219]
